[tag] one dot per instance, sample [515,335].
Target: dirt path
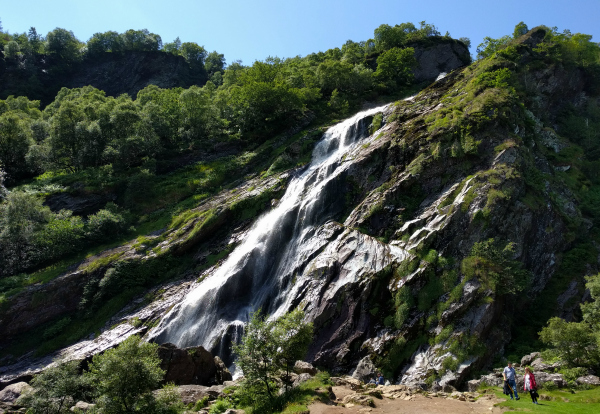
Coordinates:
[416,404]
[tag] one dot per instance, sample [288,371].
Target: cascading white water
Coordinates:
[259,272]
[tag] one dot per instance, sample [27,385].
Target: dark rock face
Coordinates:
[222,373]
[78,204]
[187,366]
[114,73]
[130,72]
[56,298]
[439,58]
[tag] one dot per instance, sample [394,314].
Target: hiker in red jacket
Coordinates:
[530,385]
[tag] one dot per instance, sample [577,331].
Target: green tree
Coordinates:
[293,336]
[215,62]
[489,46]
[193,53]
[268,348]
[57,389]
[105,42]
[494,266]
[15,140]
[520,29]
[12,50]
[574,342]
[126,376]
[173,47]
[22,215]
[35,40]
[64,44]
[395,67]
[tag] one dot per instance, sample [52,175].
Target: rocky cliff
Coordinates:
[113,73]
[452,213]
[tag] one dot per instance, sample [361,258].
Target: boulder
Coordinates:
[12,392]
[222,375]
[232,411]
[589,380]
[543,377]
[300,379]
[82,406]
[215,392]
[473,385]
[192,393]
[493,380]
[187,366]
[539,365]
[347,381]
[365,370]
[359,399]
[528,359]
[301,367]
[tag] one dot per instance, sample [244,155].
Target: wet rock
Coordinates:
[589,380]
[365,370]
[222,375]
[233,411]
[82,406]
[84,204]
[301,367]
[187,366]
[12,392]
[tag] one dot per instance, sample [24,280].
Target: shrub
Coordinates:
[267,348]
[126,376]
[106,223]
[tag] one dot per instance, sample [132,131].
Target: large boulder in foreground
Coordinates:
[193,365]
[12,392]
[365,370]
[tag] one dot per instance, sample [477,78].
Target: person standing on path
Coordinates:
[510,376]
[530,385]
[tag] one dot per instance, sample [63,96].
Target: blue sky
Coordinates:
[253,30]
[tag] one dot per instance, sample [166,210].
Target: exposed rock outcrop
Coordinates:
[187,366]
[12,392]
[302,367]
[439,57]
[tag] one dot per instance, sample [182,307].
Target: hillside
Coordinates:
[429,236]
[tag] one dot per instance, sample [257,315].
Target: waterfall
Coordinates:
[259,272]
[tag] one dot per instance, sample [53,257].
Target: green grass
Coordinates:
[563,402]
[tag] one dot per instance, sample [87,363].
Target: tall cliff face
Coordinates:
[131,71]
[453,217]
[113,73]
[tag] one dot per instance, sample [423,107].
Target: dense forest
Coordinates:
[120,143]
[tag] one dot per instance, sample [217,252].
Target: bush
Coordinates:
[106,223]
[56,389]
[126,376]
[268,348]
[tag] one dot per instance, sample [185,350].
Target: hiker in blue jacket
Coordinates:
[510,377]
[380,380]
